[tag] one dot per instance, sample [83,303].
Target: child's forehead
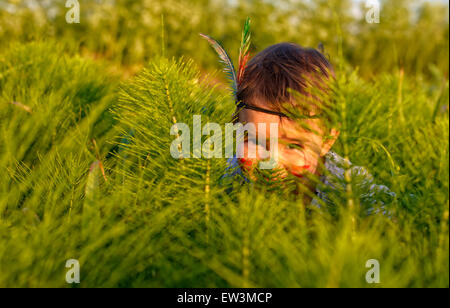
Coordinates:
[287,128]
[293,128]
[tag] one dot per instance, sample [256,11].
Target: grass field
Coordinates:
[86,172]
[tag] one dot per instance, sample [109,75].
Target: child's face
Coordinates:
[299,149]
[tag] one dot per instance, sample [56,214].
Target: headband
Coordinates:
[242,105]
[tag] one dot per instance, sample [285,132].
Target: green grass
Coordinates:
[412,34]
[86,172]
[154,221]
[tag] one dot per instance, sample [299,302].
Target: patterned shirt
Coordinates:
[333,185]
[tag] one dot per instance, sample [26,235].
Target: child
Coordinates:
[303,145]
[289,86]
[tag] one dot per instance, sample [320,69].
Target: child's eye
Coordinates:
[295,146]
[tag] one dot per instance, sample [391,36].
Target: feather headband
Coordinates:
[236,77]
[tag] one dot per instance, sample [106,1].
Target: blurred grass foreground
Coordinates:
[86,173]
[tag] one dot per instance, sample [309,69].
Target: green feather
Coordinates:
[244,49]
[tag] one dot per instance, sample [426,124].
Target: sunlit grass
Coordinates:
[152,221]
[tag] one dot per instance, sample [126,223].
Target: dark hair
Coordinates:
[270,73]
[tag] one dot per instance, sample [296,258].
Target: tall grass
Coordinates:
[153,221]
[412,35]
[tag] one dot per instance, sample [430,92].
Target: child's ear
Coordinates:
[329,141]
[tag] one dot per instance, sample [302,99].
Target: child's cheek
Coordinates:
[300,171]
[246,163]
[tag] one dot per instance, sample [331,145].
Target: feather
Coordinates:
[226,61]
[244,51]
[321,48]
